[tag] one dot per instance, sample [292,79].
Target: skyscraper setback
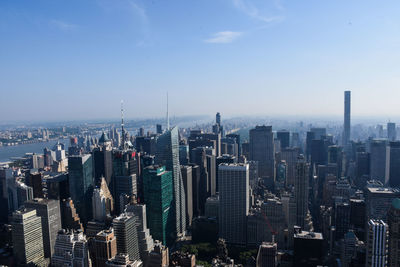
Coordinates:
[347,110]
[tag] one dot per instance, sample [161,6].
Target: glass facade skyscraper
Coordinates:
[167,154]
[158,196]
[81,183]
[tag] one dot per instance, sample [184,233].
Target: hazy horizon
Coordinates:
[76,60]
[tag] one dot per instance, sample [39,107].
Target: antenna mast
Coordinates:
[122,124]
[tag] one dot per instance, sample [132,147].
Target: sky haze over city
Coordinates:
[63,60]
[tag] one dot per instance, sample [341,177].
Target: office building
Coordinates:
[301,191]
[102,157]
[167,154]
[378,201]
[122,260]
[81,183]
[308,248]
[49,212]
[71,249]
[233,202]
[102,202]
[284,137]
[379,161]
[290,155]
[391,131]
[159,257]
[27,237]
[69,218]
[104,246]
[394,164]
[394,233]
[267,255]
[188,185]
[262,150]
[158,196]
[146,243]
[126,233]
[377,243]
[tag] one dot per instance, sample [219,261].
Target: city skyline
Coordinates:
[281,58]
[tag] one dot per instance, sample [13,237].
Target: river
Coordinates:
[8,152]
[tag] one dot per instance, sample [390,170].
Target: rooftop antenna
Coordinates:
[167,114]
[122,124]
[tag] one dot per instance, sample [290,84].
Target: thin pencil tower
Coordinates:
[167,114]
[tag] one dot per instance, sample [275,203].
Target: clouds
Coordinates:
[247,8]
[253,12]
[223,37]
[62,25]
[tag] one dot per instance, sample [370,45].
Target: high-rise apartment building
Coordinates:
[262,150]
[167,154]
[158,196]
[27,237]
[49,212]
[126,233]
[81,182]
[347,110]
[377,243]
[233,202]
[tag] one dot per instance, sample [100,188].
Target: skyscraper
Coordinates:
[267,255]
[126,233]
[347,110]
[301,191]
[71,249]
[377,243]
[105,247]
[146,242]
[27,237]
[81,183]
[49,212]
[158,196]
[233,202]
[391,131]
[284,137]
[394,164]
[394,233]
[262,150]
[379,161]
[188,185]
[167,154]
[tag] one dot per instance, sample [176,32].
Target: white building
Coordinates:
[377,243]
[233,182]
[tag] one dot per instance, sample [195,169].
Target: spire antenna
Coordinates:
[122,124]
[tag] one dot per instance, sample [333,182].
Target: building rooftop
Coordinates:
[308,235]
[383,190]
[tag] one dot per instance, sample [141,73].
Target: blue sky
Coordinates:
[76,59]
